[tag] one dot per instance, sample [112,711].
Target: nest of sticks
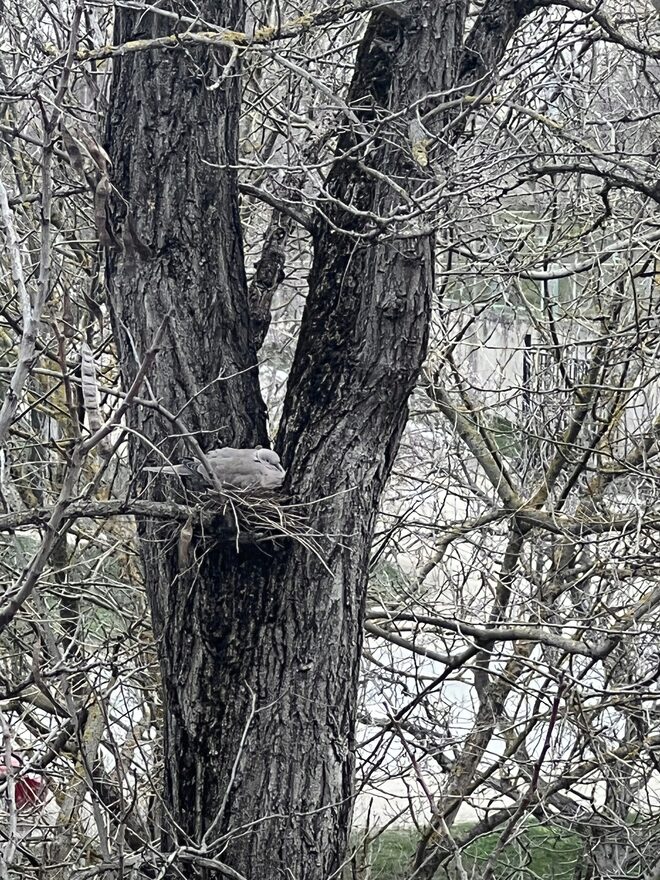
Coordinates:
[258,517]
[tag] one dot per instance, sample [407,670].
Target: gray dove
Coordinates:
[234,468]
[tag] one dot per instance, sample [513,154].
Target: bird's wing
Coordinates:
[228,454]
[240,477]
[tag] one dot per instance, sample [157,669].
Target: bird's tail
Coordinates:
[180,470]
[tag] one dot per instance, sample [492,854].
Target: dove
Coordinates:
[233,468]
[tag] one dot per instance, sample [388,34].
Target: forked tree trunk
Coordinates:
[260,647]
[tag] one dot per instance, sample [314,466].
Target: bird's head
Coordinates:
[270,459]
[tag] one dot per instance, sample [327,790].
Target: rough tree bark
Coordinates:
[260,648]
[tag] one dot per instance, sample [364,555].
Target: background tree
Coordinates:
[256,634]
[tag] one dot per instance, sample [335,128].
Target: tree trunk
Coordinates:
[260,646]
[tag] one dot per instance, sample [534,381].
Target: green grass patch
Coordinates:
[536,852]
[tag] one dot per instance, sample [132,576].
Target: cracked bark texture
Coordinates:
[273,630]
